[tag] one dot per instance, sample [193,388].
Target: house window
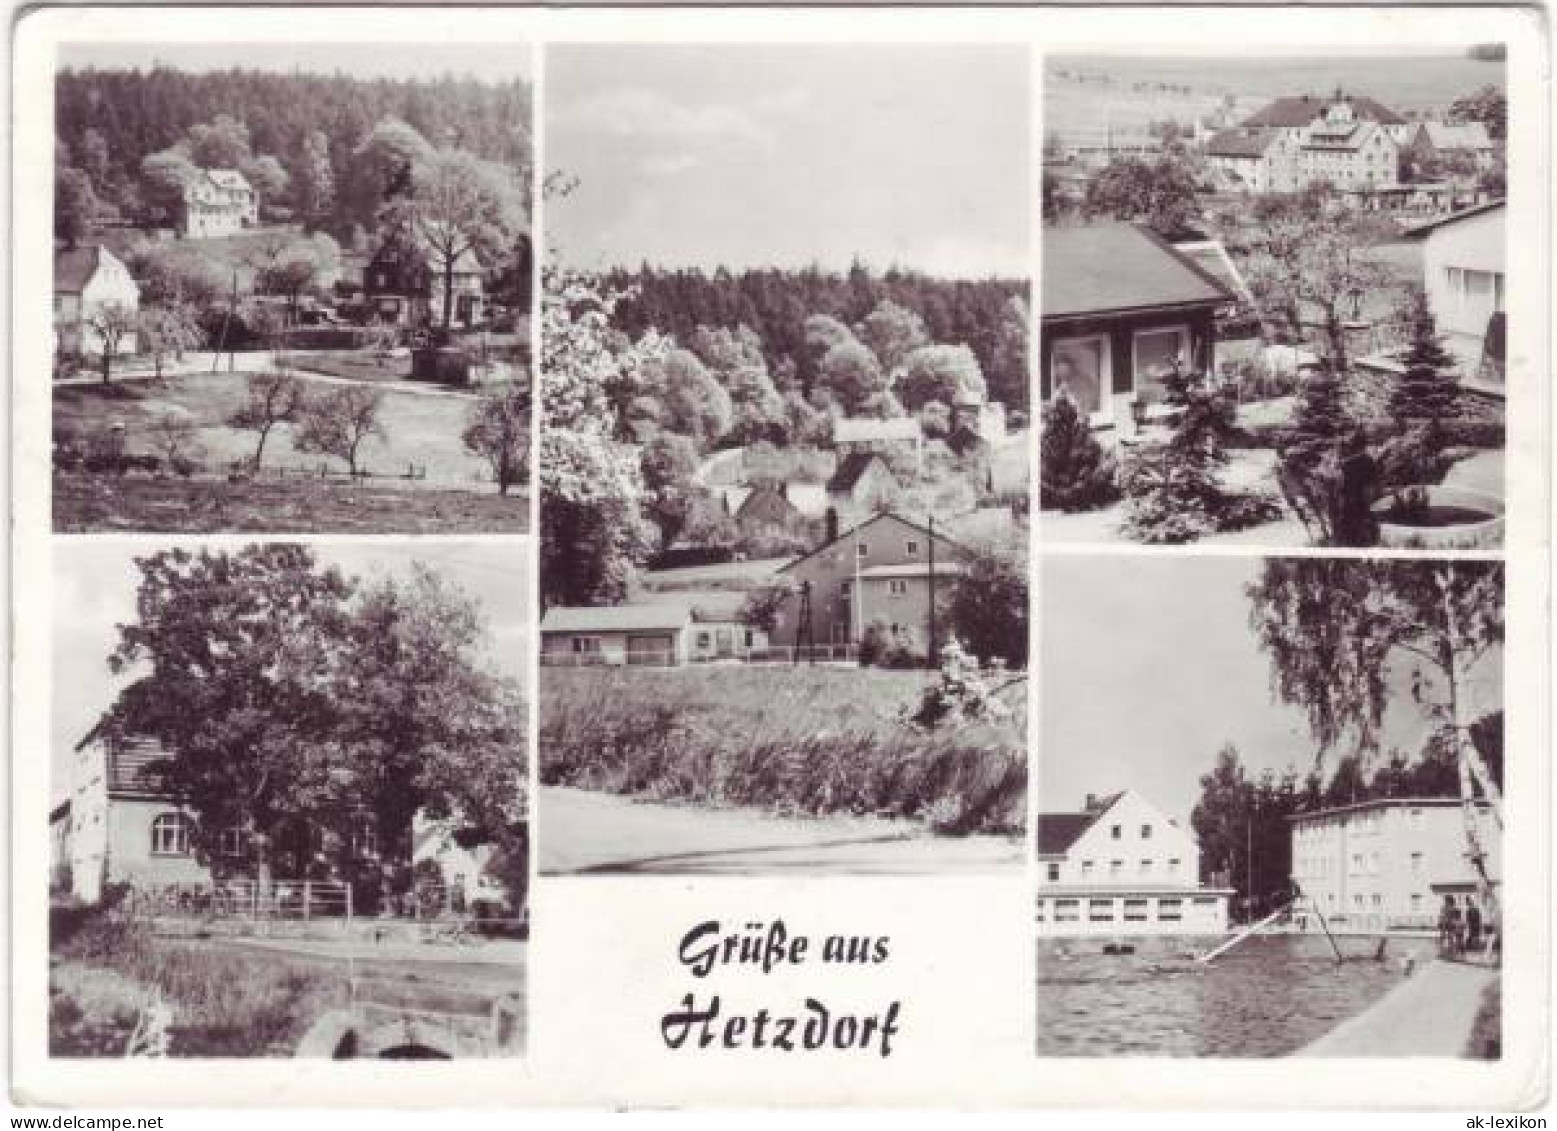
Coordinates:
[1135,910]
[364,838]
[1157,354]
[1170,910]
[1115,868]
[751,639]
[170,835]
[1078,369]
[1146,867]
[1067,910]
[233,842]
[1146,832]
[1038,910]
[1416,902]
[862,549]
[1100,910]
[586,645]
[1416,863]
[897,587]
[911,548]
[1054,872]
[1116,831]
[704,640]
[1086,869]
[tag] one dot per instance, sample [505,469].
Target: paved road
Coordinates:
[1432,1013]
[584,832]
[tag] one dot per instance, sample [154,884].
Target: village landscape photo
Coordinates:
[289,800]
[784,459]
[292,288]
[1271,812]
[1272,305]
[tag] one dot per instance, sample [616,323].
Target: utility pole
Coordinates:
[931,657]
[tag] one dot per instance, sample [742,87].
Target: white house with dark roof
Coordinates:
[219,202]
[87,281]
[1253,160]
[1119,866]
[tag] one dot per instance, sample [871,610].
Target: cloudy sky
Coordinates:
[490,62]
[94,591]
[1150,666]
[742,155]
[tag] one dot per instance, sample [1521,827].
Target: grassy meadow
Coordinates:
[85,502]
[418,428]
[802,741]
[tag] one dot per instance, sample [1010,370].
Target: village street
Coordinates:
[589,832]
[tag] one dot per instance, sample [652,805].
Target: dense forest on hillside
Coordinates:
[989,316]
[316,127]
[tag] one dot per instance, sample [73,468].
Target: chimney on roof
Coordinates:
[1091,804]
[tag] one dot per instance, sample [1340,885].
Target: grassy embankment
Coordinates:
[104,969]
[1486,1039]
[792,740]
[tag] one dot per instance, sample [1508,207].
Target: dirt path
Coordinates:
[585,832]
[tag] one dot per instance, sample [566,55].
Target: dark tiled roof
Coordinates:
[850,471]
[1239,143]
[1112,267]
[1058,831]
[74,268]
[1303,109]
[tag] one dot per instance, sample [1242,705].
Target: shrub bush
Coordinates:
[1074,472]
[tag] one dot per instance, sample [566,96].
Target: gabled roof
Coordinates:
[1303,109]
[1058,831]
[74,268]
[1457,135]
[1240,143]
[877,517]
[1453,218]
[865,429]
[229,179]
[615,618]
[1212,258]
[851,469]
[1103,268]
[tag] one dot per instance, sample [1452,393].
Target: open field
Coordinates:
[356,364]
[803,740]
[282,506]
[418,429]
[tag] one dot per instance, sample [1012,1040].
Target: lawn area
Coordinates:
[418,429]
[359,365]
[84,502]
[804,740]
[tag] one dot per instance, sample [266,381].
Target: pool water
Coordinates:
[1268,996]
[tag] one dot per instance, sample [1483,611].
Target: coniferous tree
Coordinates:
[1075,473]
[1426,393]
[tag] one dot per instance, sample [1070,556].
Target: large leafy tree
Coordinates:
[457,208]
[425,724]
[592,531]
[232,654]
[498,430]
[1347,637]
[1160,192]
[988,605]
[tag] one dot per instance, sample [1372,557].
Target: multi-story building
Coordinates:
[1387,864]
[1347,151]
[887,569]
[117,826]
[219,202]
[1120,866]
[1254,160]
